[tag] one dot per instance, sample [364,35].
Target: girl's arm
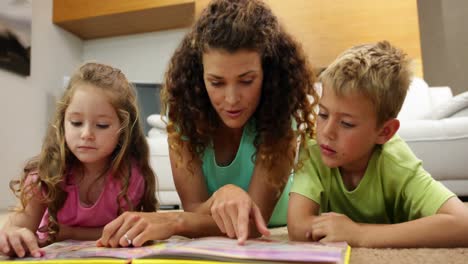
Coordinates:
[447,228]
[301,213]
[17,236]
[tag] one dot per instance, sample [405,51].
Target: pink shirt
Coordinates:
[73,213]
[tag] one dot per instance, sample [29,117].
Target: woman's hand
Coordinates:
[19,242]
[232,208]
[136,228]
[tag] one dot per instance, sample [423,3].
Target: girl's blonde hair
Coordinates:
[56,158]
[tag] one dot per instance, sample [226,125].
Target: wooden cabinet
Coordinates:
[89,19]
[324,28]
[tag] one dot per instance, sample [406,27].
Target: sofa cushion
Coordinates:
[417,103]
[450,107]
[441,144]
[155,121]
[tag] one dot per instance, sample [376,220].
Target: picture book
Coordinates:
[208,248]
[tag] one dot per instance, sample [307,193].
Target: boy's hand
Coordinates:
[19,242]
[334,227]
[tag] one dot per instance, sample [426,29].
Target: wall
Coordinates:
[142,57]
[28,102]
[444,43]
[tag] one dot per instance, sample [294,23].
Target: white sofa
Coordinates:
[433,123]
[159,159]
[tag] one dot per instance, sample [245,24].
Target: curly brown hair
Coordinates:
[234,25]
[56,158]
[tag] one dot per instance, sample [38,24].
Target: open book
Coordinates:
[208,248]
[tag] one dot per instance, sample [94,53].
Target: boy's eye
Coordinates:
[76,123]
[347,124]
[102,126]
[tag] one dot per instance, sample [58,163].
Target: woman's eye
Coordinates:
[216,84]
[322,115]
[247,82]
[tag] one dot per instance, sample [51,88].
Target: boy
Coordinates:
[359,182]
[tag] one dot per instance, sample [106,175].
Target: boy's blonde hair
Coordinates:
[378,71]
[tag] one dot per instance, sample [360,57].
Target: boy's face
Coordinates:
[346,130]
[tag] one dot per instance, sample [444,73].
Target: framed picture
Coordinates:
[15,36]
[148,101]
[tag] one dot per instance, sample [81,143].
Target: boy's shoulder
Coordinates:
[397,154]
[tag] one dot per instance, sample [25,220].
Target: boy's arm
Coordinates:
[447,228]
[301,213]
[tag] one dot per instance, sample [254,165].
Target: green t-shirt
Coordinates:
[395,187]
[240,172]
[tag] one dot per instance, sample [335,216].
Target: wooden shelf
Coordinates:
[90,19]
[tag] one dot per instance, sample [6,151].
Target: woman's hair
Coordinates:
[234,25]
[56,159]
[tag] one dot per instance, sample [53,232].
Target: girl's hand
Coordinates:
[136,228]
[334,227]
[232,208]
[19,242]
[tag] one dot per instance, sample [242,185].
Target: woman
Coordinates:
[237,97]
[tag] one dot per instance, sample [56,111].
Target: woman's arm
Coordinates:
[191,188]
[141,227]
[193,194]
[230,207]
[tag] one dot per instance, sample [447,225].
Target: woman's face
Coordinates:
[234,84]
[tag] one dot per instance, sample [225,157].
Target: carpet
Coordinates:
[392,256]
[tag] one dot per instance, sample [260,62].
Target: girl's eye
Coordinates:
[76,123]
[102,126]
[247,82]
[347,125]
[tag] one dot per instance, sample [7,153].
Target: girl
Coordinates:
[94,164]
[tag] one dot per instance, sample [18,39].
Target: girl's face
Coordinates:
[234,84]
[91,126]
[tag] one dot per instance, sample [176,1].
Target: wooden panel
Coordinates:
[326,28]
[90,19]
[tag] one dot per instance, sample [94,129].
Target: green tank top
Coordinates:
[240,171]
